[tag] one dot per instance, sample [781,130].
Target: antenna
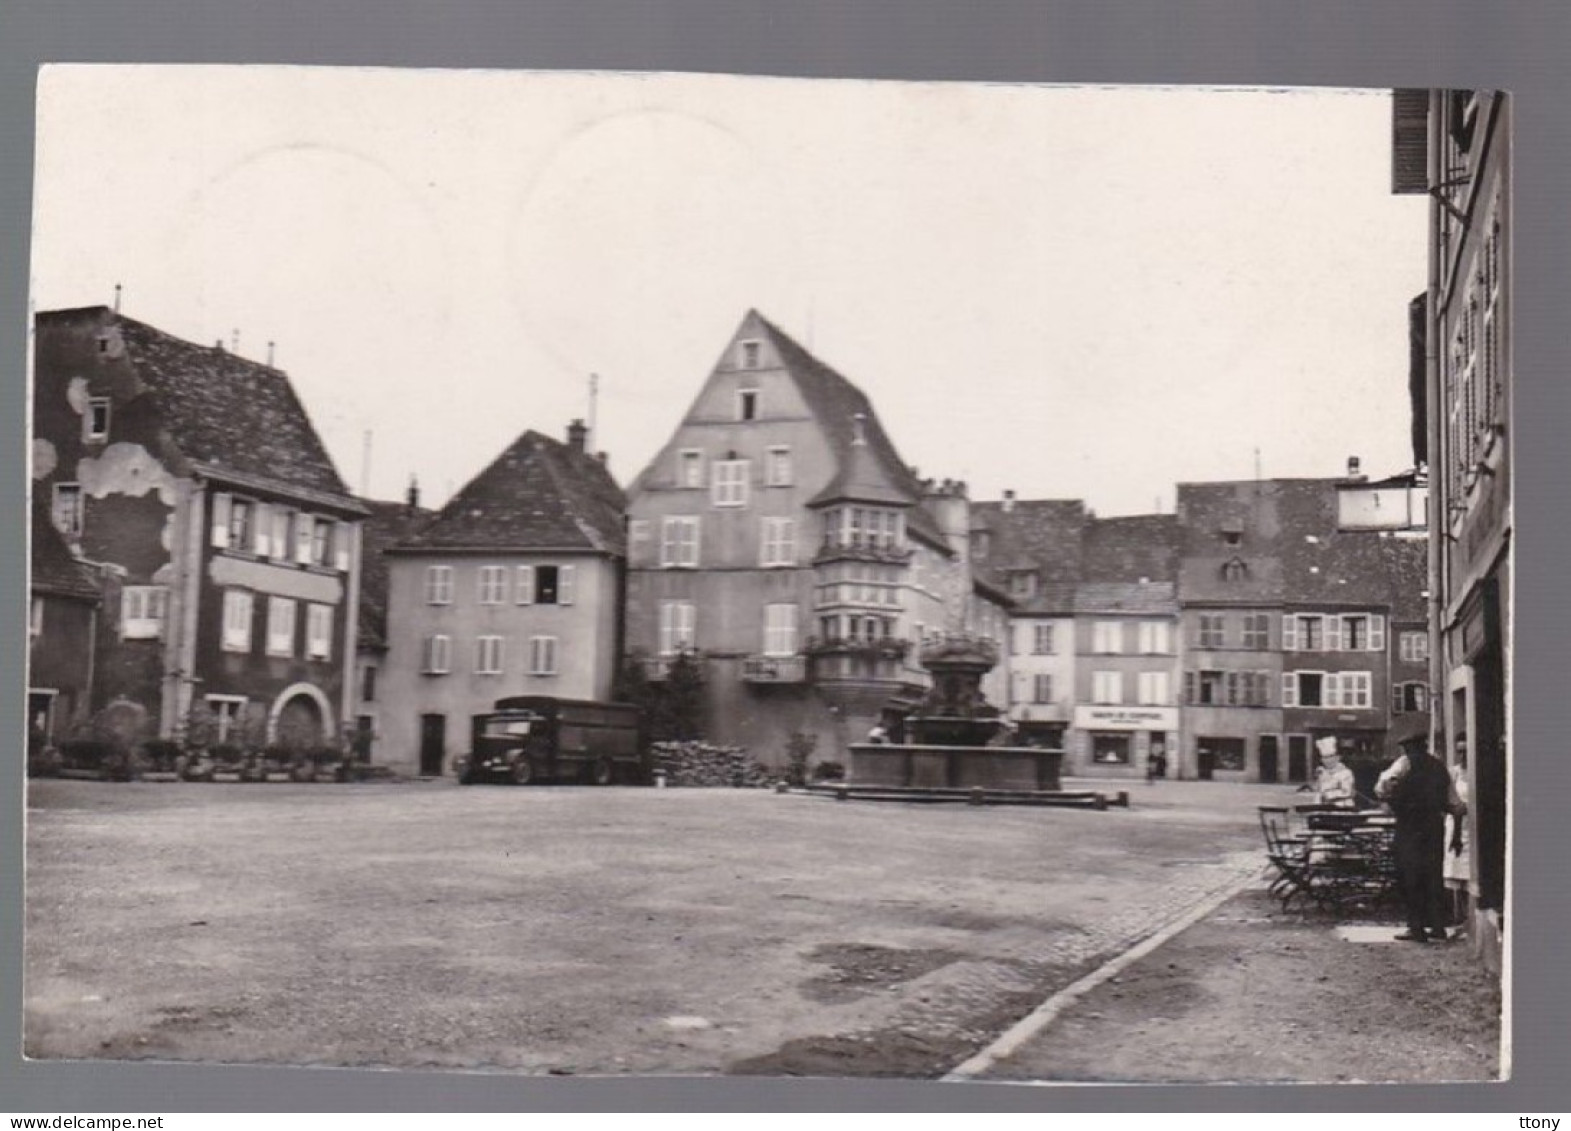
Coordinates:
[594,404]
[270,364]
[117,298]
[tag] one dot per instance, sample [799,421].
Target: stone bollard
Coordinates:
[976,796]
[1122,801]
[659,779]
[842,793]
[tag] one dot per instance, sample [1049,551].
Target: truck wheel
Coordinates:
[523,772]
[602,771]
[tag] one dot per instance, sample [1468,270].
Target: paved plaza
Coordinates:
[576,930]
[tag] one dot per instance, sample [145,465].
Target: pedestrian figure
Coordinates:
[1156,763]
[1458,865]
[878,736]
[1420,794]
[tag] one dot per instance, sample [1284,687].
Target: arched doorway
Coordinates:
[301,718]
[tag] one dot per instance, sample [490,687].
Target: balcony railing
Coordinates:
[774,669]
[860,550]
[882,648]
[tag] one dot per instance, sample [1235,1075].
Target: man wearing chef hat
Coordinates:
[1333,781]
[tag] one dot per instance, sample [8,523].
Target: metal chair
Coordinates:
[1289,853]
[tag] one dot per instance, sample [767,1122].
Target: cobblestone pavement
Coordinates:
[574,930]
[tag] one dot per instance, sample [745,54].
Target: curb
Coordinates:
[1045,1014]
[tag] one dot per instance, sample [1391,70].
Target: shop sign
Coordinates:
[1126,718]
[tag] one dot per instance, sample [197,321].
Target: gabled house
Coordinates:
[386,525]
[194,483]
[514,587]
[1126,645]
[1030,549]
[1293,625]
[62,627]
[778,536]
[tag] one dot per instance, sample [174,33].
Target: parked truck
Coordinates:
[534,738]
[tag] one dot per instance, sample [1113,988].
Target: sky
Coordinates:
[1069,292]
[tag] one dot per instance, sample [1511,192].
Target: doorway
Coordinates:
[433,745]
[1298,757]
[1268,757]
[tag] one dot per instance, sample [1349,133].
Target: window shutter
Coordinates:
[341,546]
[1289,689]
[1289,632]
[1189,687]
[303,532]
[1333,633]
[1396,698]
[280,541]
[261,529]
[526,585]
[1377,634]
[1331,689]
[221,504]
[564,585]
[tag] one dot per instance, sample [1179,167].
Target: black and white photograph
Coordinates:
[610,574]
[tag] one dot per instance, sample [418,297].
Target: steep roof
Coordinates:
[1129,548]
[1155,597]
[538,494]
[1285,533]
[229,413]
[53,568]
[836,402]
[385,525]
[1040,535]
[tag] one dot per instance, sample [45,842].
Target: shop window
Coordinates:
[1110,748]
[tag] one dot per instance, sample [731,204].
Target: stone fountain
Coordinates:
[956,739]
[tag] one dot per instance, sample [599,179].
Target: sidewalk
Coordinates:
[1249,994]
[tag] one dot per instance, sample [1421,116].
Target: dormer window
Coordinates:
[748,354]
[747,404]
[95,423]
[1234,570]
[1022,583]
[1232,535]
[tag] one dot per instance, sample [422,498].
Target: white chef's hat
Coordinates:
[1326,746]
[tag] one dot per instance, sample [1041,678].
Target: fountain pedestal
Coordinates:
[954,734]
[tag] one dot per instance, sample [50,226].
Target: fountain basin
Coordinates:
[933,766]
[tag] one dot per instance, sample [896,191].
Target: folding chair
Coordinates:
[1289,854]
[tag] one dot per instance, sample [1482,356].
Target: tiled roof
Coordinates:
[836,403]
[54,569]
[1158,597]
[1040,535]
[1130,548]
[538,494]
[385,526]
[230,413]
[1291,549]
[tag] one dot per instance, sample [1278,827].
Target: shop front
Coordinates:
[1123,741]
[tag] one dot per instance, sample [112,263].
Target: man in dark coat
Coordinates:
[1420,794]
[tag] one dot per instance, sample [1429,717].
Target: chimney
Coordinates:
[1009,501]
[576,432]
[412,497]
[1352,467]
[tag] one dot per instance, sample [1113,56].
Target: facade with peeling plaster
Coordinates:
[191,482]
